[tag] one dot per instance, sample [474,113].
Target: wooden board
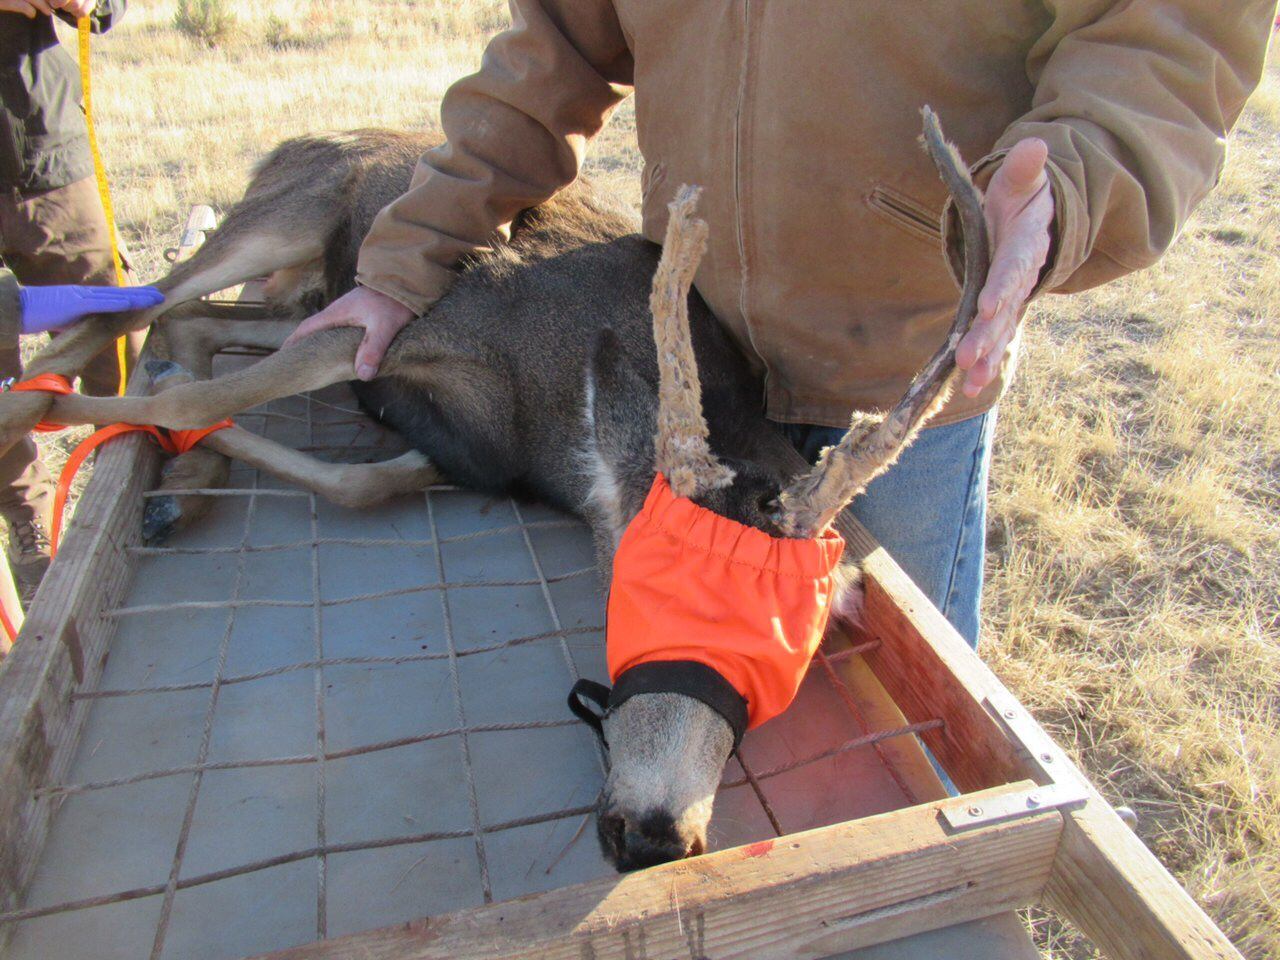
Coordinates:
[1104,879]
[804,895]
[62,646]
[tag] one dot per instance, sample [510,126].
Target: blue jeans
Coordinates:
[929,511]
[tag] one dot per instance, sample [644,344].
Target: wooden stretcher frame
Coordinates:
[1027,829]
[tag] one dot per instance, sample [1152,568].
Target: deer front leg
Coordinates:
[232,255]
[352,485]
[67,355]
[346,484]
[197,469]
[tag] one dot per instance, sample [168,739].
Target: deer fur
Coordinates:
[540,374]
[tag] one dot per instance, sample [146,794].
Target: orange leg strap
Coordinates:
[173,442]
[44,383]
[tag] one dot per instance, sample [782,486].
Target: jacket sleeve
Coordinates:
[516,131]
[1135,100]
[105,15]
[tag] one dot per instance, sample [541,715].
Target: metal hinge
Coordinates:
[963,813]
[1059,783]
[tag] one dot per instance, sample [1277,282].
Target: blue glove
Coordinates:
[52,308]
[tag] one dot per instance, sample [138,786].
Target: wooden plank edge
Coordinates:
[805,895]
[932,673]
[1122,898]
[1105,879]
[61,648]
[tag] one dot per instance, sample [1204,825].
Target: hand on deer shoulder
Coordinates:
[1019,209]
[380,315]
[28,8]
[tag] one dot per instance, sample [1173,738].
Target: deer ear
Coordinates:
[681,451]
[874,442]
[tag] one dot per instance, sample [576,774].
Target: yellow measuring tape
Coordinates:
[84,27]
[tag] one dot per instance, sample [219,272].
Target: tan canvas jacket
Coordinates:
[800,120]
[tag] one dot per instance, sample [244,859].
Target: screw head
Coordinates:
[1033,800]
[974,811]
[1046,758]
[1010,715]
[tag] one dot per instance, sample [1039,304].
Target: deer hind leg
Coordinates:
[255,240]
[267,232]
[325,358]
[192,343]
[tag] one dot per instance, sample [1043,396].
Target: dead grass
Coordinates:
[1134,596]
[1135,579]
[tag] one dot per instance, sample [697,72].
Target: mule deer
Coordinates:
[536,375]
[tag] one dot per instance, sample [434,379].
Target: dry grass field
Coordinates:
[1134,572]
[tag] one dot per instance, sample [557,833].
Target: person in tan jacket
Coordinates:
[1100,126]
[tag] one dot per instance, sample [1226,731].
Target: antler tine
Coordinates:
[874,442]
[681,451]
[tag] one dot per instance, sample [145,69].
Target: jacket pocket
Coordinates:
[910,215]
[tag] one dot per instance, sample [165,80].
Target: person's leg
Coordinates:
[929,511]
[64,238]
[54,237]
[26,489]
[26,500]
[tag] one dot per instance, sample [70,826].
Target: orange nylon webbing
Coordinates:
[9,630]
[171,441]
[45,383]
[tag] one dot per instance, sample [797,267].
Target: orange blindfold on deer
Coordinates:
[692,589]
[706,606]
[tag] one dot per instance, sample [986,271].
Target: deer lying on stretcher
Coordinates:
[535,376]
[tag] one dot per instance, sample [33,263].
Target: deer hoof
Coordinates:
[161,518]
[159,370]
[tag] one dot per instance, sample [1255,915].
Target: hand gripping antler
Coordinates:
[875,441]
[681,451]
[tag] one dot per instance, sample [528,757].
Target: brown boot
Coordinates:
[29,556]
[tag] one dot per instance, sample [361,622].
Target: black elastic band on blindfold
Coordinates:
[685,677]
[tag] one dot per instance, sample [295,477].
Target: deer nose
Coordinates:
[646,841]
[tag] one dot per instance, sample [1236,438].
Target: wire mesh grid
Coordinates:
[219,603]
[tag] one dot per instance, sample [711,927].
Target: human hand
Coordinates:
[52,308]
[1019,210]
[76,8]
[28,8]
[381,317]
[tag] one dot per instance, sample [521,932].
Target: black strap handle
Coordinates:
[585,693]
